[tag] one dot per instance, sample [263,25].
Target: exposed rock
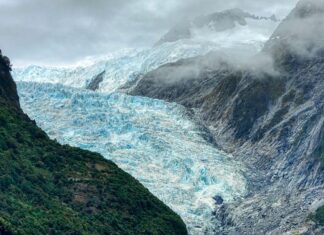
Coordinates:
[218,200]
[271,121]
[95,82]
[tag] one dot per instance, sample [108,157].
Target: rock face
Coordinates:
[273,120]
[217,22]
[95,82]
[47,188]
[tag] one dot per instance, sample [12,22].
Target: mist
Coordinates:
[303,30]
[65,31]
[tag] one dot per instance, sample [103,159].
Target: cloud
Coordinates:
[60,31]
[302,32]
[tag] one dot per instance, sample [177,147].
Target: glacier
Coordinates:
[155,141]
[120,67]
[126,65]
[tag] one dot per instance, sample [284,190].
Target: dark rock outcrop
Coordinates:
[218,200]
[95,82]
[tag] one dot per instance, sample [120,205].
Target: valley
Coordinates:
[221,120]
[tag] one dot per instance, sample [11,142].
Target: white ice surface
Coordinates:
[120,67]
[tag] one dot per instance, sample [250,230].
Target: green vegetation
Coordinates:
[253,102]
[319,151]
[46,188]
[318,216]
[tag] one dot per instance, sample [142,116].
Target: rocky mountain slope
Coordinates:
[270,113]
[47,188]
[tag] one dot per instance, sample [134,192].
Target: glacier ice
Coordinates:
[124,65]
[120,67]
[153,140]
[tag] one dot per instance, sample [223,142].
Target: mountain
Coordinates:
[267,112]
[217,23]
[264,112]
[110,73]
[48,188]
[160,136]
[300,33]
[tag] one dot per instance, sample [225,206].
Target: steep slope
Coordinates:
[47,188]
[272,118]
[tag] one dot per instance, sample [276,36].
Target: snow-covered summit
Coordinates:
[215,24]
[247,37]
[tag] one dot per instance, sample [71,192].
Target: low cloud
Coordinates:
[303,30]
[301,34]
[63,31]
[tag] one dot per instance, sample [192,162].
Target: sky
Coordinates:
[65,31]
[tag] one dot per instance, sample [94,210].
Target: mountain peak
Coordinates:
[216,22]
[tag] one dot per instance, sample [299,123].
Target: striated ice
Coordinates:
[120,67]
[124,65]
[153,140]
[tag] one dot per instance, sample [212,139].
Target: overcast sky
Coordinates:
[63,31]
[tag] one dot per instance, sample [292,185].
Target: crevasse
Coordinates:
[153,140]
